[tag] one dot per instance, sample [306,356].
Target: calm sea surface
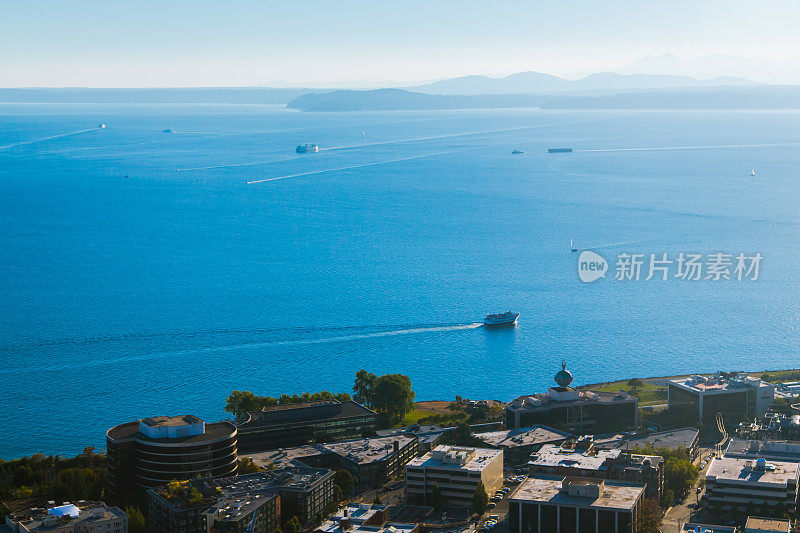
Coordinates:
[140,274]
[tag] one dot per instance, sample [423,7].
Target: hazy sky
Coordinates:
[185,43]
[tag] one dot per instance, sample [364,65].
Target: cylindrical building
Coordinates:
[154,451]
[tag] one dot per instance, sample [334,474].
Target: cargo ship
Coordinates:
[306,148]
[501,319]
[515,151]
[559,150]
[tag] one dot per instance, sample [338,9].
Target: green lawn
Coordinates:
[649,394]
[413,417]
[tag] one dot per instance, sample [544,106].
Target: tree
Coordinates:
[635,383]
[293,526]
[247,466]
[667,498]
[363,387]
[239,403]
[392,398]
[136,523]
[480,499]
[345,481]
[650,516]
[436,498]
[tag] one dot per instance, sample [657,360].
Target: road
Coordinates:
[679,514]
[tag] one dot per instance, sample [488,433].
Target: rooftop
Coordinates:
[522,436]
[37,514]
[746,471]
[722,382]
[171,421]
[758,525]
[555,490]
[554,397]
[324,410]
[363,451]
[672,439]
[705,528]
[777,450]
[285,456]
[457,458]
[131,431]
[552,455]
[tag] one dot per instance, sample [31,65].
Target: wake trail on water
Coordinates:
[361,165]
[42,139]
[704,147]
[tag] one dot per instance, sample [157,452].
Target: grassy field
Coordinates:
[423,409]
[649,394]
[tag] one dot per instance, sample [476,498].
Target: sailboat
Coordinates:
[753,173]
[572,246]
[363,136]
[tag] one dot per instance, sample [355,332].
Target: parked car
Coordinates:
[490,506]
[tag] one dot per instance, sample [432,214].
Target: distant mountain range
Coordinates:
[539,83]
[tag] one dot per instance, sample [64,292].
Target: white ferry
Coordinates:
[305,148]
[502,319]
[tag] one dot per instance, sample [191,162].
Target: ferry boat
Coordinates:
[502,319]
[101,125]
[305,148]
[167,131]
[559,150]
[517,151]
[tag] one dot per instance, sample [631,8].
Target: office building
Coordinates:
[734,395]
[573,410]
[556,504]
[741,485]
[674,439]
[285,426]
[372,461]
[766,525]
[519,443]
[154,451]
[581,459]
[457,471]
[36,515]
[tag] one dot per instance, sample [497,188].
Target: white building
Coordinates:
[740,484]
[457,471]
[82,517]
[731,394]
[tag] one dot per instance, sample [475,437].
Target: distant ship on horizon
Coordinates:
[501,319]
[559,150]
[515,151]
[305,148]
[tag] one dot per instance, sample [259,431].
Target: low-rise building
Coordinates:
[771,450]
[355,514]
[557,504]
[263,499]
[35,515]
[457,471]
[573,410]
[581,459]
[373,461]
[519,443]
[773,426]
[731,394]
[691,527]
[742,485]
[766,525]
[284,426]
[673,439]
[428,436]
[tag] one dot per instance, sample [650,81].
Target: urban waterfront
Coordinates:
[141,274]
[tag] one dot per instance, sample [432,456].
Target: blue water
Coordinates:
[160,292]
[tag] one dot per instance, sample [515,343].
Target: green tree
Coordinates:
[650,516]
[436,498]
[136,523]
[247,466]
[667,498]
[392,398]
[635,383]
[363,387]
[345,481]
[480,499]
[293,526]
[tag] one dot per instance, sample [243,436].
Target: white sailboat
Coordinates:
[753,173]
[572,246]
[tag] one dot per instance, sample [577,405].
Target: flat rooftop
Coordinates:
[171,421]
[672,439]
[535,402]
[552,455]
[766,524]
[33,512]
[215,431]
[706,528]
[363,451]
[522,436]
[308,412]
[481,458]
[548,489]
[285,456]
[742,470]
[777,450]
[718,384]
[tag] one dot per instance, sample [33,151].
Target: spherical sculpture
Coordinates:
[563,378]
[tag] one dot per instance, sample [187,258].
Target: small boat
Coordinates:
[572,246]
[101,125]
[306,148]
[167,131]
[753,173]
[515,151]
[559,150]
[501,319]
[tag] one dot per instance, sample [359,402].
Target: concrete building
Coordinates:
[34,515]
[766,525]
[580,459]
[457,471]
[353,515]
[576,411]
[690,527]
[732,394]
[232,504]
[556,504]
[285,426]
[428,436]
[771,450]
[741,485]
[518,444]
[373,461]
[773,426]
[673,439]
[154,451]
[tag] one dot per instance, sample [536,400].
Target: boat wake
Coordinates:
[705,147]
[42,139]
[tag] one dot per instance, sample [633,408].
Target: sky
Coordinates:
[234,43]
